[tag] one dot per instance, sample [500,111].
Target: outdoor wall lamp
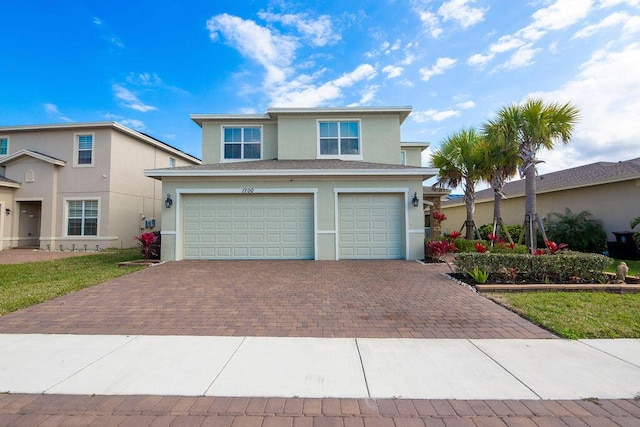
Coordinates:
[415,201]
[7,211]
[168,202]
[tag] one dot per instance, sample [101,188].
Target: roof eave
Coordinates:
[159,173]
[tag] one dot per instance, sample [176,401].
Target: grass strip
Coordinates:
[23,285]
[577,315]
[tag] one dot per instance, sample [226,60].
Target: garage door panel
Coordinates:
[371,226]
[257,226]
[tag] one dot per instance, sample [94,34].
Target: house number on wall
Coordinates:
[247,190]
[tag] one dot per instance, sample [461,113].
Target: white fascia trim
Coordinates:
[9,184]
[17,154]
[241,190]
[326,231]
[293,172]
[167,233]
[372,190]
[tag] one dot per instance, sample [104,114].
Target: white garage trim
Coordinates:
[361,190]
[179,247]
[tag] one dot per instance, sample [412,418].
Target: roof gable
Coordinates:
[34,154]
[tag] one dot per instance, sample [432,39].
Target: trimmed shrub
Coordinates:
[563,267]
[581,231]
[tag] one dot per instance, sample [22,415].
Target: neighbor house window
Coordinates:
[403,157]
[339,138]
[242,143]
[83,150]
[82,218]
[172,162]
[4,146]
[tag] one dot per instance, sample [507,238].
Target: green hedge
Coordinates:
[562,267]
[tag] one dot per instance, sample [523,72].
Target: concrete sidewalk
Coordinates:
[320,367]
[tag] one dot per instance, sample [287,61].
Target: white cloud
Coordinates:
[608,96]
[302,92]
[367,96]
[431,23]
[461,12]
[130,123]
[466,105]
[611,3]
[630,25]
[561,14]
[479,60]
[506,43]
[521,57]
[318,31]
[130,100]
[441,65]
[53,110]
[392,71]
[145,79]
[433,115]
[273,51]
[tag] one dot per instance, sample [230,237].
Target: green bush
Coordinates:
[515,231]
[581,231]
[562,267]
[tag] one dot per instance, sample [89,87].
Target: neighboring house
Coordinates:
[80,185]
[298,183]
[609,190]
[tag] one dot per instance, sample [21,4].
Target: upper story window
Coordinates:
[4,146]
[242,143]
[83,148]
[403,157]
[339,138]
[172,162]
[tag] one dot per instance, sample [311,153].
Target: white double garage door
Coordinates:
[281,226]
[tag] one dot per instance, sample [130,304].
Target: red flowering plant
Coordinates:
[147,245]
[454,234]
[555,247]
[480,248]
[438,216]
[439,249]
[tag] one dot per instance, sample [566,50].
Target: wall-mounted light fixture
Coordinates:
[168,202]
[7,211]
[415,201]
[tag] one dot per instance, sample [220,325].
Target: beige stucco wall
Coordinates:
[414,156]
[615,204]
[212,149]
[116,180]
[379,136]
[6,202]
[326,204]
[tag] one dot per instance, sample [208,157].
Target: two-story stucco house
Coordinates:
[76,184]
[298,183]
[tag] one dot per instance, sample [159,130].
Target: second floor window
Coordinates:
[84,152]
[242,143]
[339,138]
[4,146]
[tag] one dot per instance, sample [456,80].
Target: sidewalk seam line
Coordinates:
[608,354]
[364,374]
[224,366]
[132,337]
[505,369]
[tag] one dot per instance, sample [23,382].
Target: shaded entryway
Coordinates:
[369,299]
[29,219]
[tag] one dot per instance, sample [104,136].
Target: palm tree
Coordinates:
[499,163]
[457,160]
[534,125]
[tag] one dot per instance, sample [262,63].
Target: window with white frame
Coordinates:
[403,157]
[339,138]
[172,162]
[4,146]
[84,150]
[242,143]
[82,218]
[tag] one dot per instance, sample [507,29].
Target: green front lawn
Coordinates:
[577,314]
[22,285]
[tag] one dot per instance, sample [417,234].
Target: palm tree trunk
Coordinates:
[469,200]
[497,182]
[530,208]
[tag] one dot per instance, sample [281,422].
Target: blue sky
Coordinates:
[150,64]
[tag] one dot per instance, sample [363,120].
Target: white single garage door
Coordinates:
[248,226]
[371,226]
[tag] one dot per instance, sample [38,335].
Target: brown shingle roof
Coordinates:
[284,165]
[581,176]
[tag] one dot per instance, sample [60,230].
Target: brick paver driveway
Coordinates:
[373,299]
